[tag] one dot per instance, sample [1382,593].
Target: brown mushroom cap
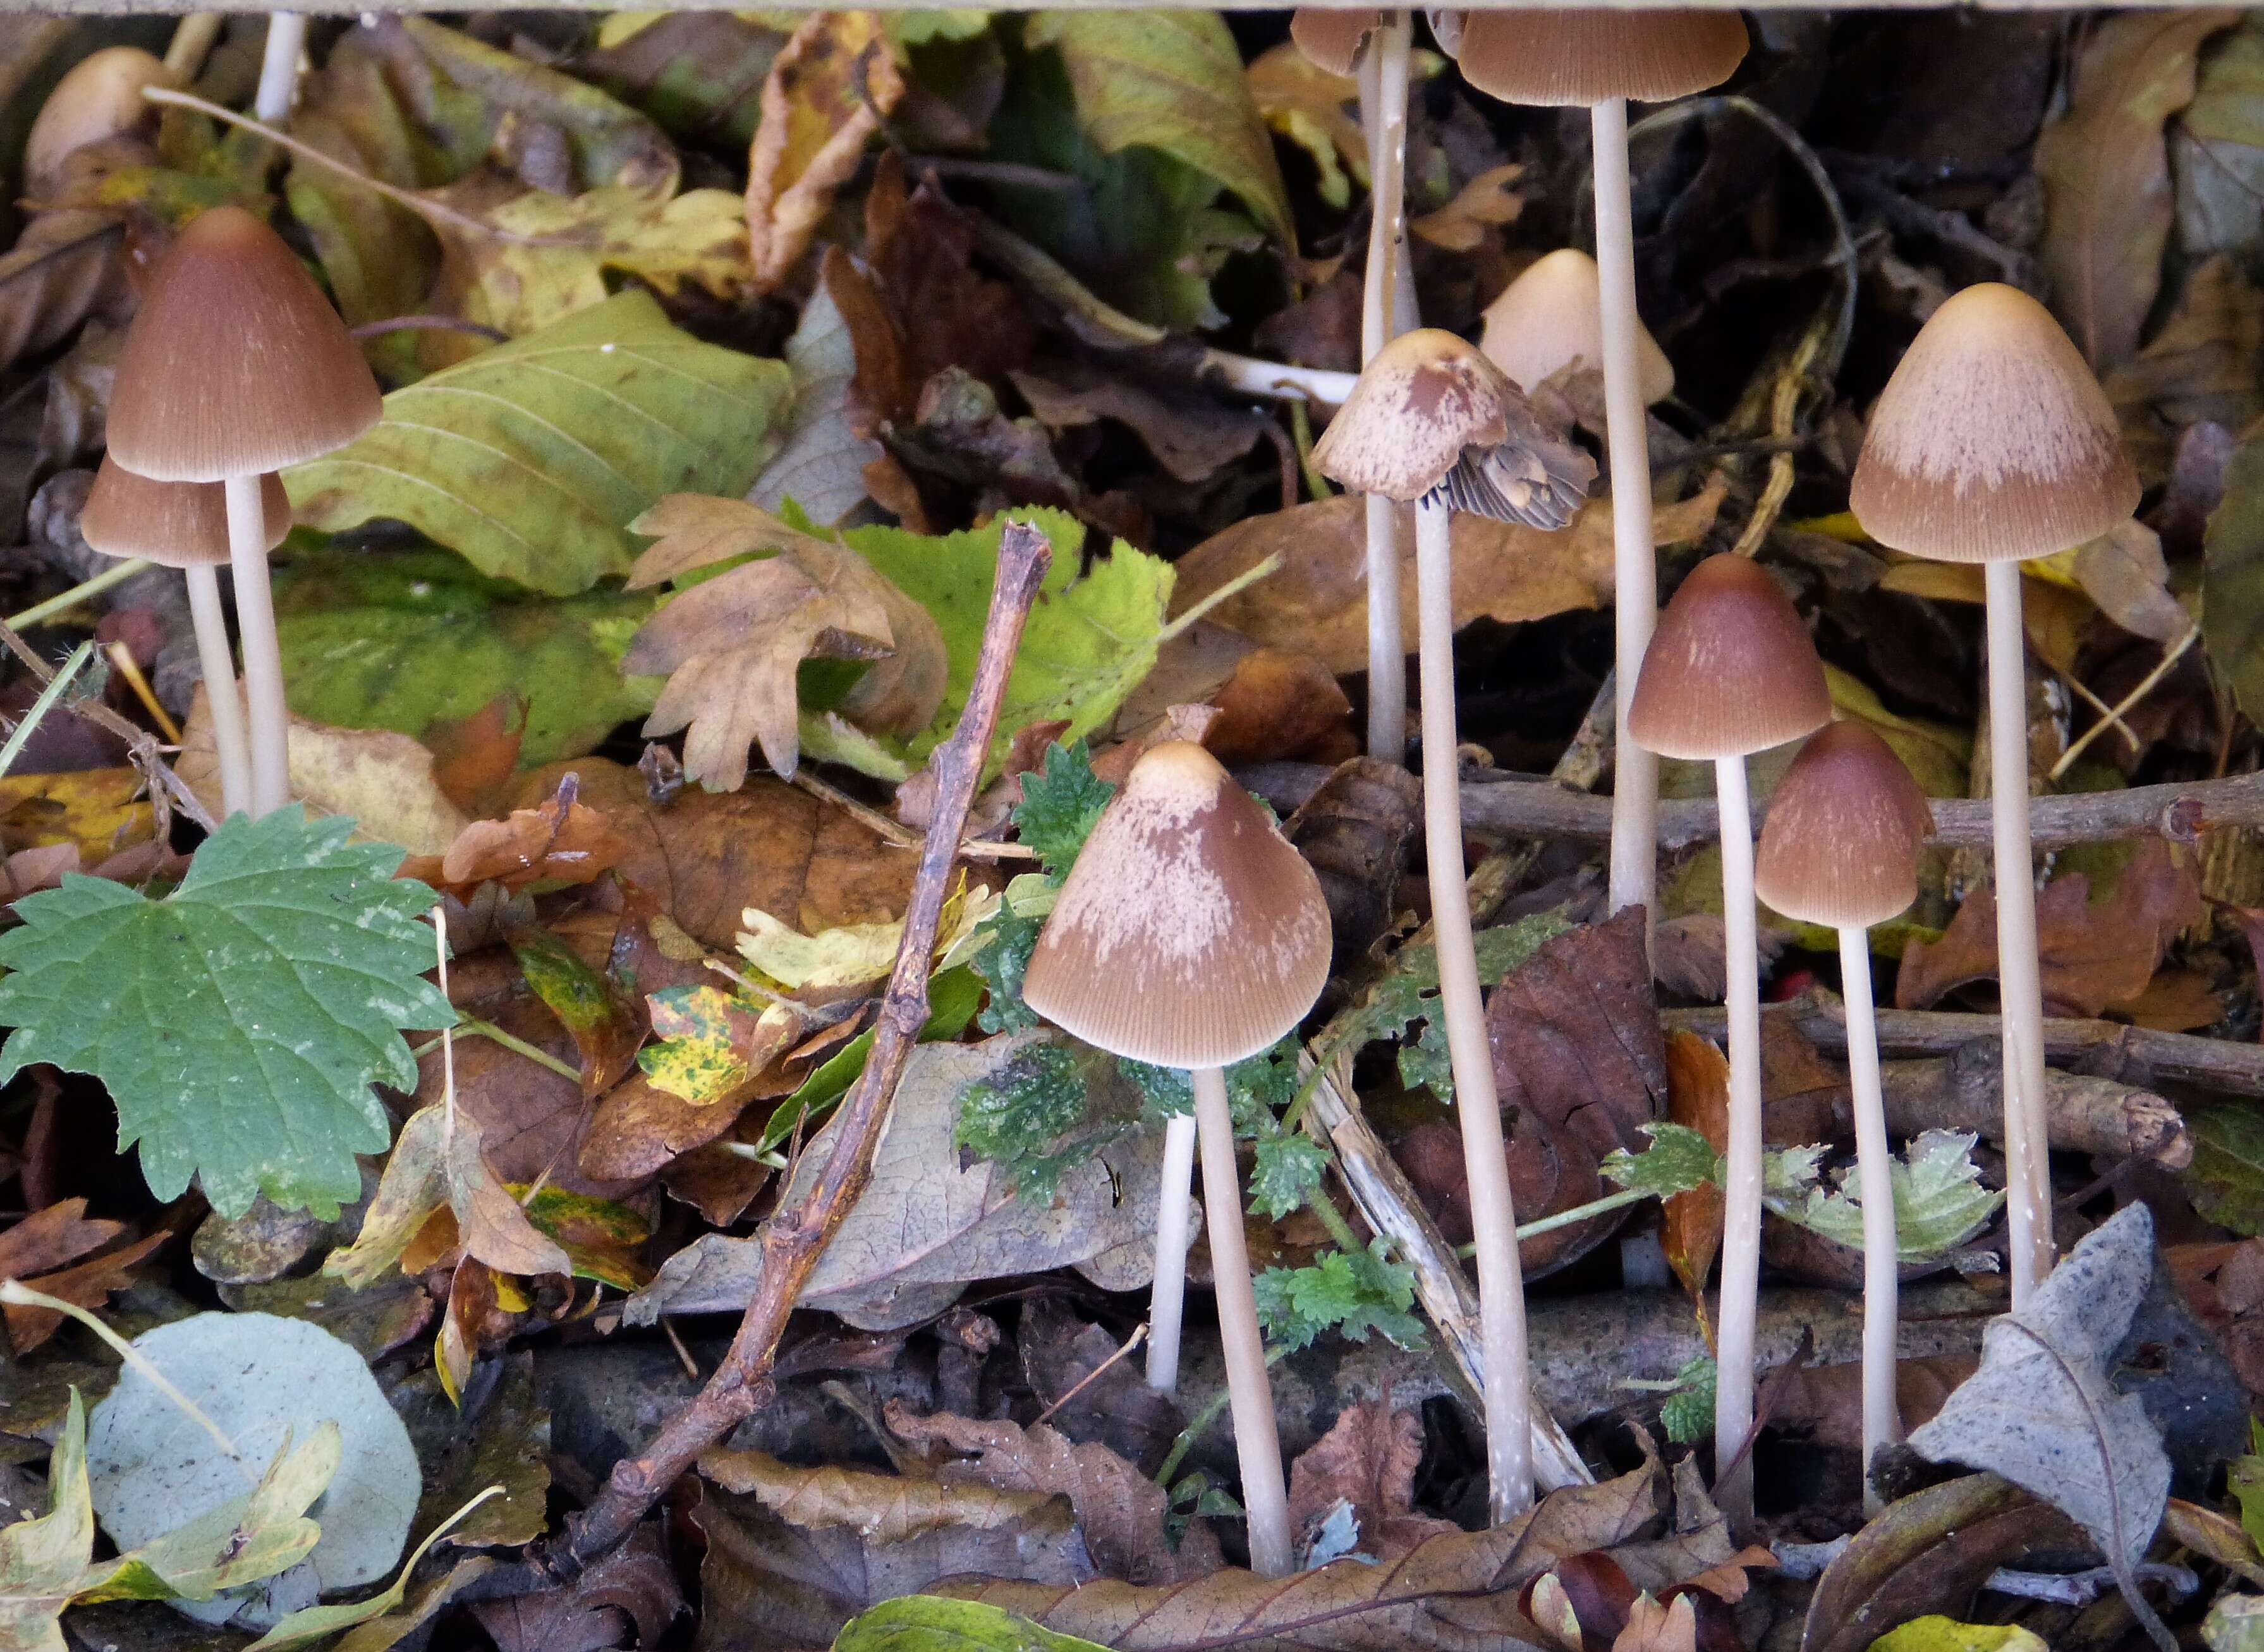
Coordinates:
[1585,57]
[1731,669]
[174,524]
[1552,317]
[1845,827]
[235,364]
[1991,441]
[1189,933]
[1334,40]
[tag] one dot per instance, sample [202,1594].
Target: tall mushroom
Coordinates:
[1730,671]
[1601,59]
[1840,847]
[183,525]
[1190,934]
[1375,44]
[236,366]
[1552,317]
[1992,443]
[1433,421]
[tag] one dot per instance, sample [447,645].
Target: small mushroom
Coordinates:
[1552,317]
[1602,58]
[1840,847]
[1730,671]
[1190,935]
[183,525]
[236,366]
[99,98]
[1992,443]
[1433,421]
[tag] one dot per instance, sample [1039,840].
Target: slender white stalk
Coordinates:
[1501,1281]
[1172,1229]
[1250,1390]
[279,68]
[1383,99]
[223,701]
[192,43]
[2027,1142]
[1741,1192]
[1635,566]
[1277,380]
[1883,1423]
[263,658]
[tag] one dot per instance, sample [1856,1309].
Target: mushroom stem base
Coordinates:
[1173,1229]
[1882,1276]
[263,658]
[223,701]
[1741,1193]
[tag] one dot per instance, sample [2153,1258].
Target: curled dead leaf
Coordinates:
[825,96]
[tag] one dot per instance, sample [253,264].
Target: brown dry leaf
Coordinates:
[560,840]
[730,646]
[1484,205]
[1318,603]
[1825,1404]
[2106,171]
[67,265]
[1653,1626]
[88,1284]
[2093,958]
[101,810]
[1192,437]
[626,1599]
[483,1310]
[1119,1508]
[793,1553]
[2124,572]
[28,870]
[2200,368]
[48,1239]
[2054,614]
[45,1252]
[1697,1095]
[437,1164]
[1367,1459]
[826,94]
[1311,106]
[1458,1590]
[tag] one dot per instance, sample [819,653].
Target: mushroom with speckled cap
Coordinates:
[1992,443]
[1433,421]
[1730,671]
[1602,57]
[234,365]
[1189,934]
[1840,849]
[183,525]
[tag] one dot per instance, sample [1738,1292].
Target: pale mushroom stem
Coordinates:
[2028,1145]
[263,657]
[278,68]
[223,705]
[1250,1390]
[1634,569]
[1741,1192]
[1875,1181]
[1174,1227]
[1383,75]
[1501,1283]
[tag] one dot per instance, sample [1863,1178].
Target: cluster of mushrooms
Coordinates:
[1190,935]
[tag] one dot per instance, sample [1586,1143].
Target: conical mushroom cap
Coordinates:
[1552,317]
[1585,57]
[235,363]
[1731,669]
[1845,827]
[1189,933]
[1991,441]
[1430,414]
[174,523]
[1334,40]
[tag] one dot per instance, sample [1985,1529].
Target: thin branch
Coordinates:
[795,1238]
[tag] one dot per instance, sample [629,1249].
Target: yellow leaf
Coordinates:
[1309,106]
[98,809]
[825,96]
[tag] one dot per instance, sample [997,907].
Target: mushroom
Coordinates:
[1434,422]
[236,366]
[1840,849]
[99,98]
[1375,44]
[1190,935]
[183,525]
[1990,443]
[1552,317]
[1602,58]
[1730,671]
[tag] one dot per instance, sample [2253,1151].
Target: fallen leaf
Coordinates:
[1367,1461]
[102,811]
[912,1618]
[2126,574]
[437,1162]
[1192,437]
[821,465]
[66,264]
[2201,367]
[592,1006]
[504,1442]
[627,1599]
[1482,206]
[1698,1097]
[2232,579]
[1939,1203]
[561,840]
[383,781]
[88,1284]
[2094,957]
[826,94]
[1311,107]
[1653,1626]
[1938,1634]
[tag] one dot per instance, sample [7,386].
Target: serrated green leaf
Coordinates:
[530,459]
[1285,1172]
[239,1023]
[1939,1200]
[1030,1118]
[1678,1160]
[1687,1416]
[2226,1177]
[1355,1294]
[929,1623]
[1061,804]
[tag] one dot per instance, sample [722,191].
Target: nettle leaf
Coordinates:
[1687,1416]
[1285,1173]
[1939,1200]
[1061,804]
[239,1023]
[1678,1161]
[1355,1294]
[1032,1117]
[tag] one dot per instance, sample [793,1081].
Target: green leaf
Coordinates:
[43,1560]
[409,639]
[2246,1481]
[1061,804]
[999,951]
[1355,1294]
[1938,1634]
[929,1623]
[239,1023]
[2226,1176]
[1285,1173]
[1687,1416]
[1678,1160]
[2232,579]
[952,996]
[1939,1200]
[1031,1117]
[310,1624]
[530,459]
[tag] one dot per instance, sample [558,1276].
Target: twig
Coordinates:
[2080,1589]
[795,1238]
[2114,717]
[168,791]
[430,324]
[1139,1335]
[898,835]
